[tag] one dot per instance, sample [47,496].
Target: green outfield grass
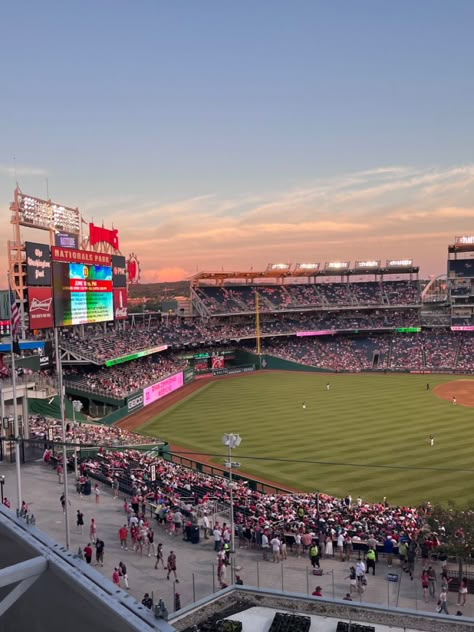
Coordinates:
[363,420]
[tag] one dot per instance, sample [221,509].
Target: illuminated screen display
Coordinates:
[134,356]
[408,330]
[160,389]
[82,293]
[462,328]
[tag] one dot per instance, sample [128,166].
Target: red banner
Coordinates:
[70,255]
[98,234]
[120,303]
[40,304]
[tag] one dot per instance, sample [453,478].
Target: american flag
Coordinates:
[14,315]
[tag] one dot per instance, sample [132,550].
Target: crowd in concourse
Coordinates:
[185,496]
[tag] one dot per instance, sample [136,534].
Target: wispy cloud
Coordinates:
[385,212]
[379,213]
[21,170]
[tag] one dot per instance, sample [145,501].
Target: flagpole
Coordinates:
[16,431]
[59,371]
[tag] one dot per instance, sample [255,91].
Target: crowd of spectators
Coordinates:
[440,349]
[50,429]
[230,299]
[424,351]
[429,350]
[124,379]
[179,333]
[186,491]
[333,353]
[465,359]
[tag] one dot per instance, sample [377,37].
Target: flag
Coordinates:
[15,317]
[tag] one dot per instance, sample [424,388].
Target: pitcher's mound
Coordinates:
[462,390]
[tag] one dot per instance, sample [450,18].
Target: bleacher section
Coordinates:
[426,351]
[234,299]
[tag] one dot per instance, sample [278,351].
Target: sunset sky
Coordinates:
[219,134]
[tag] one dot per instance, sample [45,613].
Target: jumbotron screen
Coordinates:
[82,293]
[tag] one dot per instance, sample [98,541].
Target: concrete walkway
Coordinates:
[196,562]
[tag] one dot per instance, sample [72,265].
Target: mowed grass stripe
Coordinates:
[363,419]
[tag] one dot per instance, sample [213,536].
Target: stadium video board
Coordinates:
[82,287]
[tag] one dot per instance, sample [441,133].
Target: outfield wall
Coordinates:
[273,363]
[145,396]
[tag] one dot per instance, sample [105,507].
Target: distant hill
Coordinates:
[159,291]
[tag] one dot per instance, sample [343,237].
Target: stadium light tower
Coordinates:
[232,441]
[61,394]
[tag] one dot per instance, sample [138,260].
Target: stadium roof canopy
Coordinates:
[285,271]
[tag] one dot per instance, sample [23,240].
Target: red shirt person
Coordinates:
[88,553]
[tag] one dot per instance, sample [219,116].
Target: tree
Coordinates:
[455,529]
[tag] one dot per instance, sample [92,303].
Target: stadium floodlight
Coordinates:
[399,263]
[337,265]
[231,440]
[307,266]
[465,239]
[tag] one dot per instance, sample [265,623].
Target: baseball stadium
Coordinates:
[338,389]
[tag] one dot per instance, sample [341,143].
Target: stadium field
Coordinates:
[368,435]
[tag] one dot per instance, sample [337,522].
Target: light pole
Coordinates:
[76,408]
[232,441]
[59,371]
[2,483]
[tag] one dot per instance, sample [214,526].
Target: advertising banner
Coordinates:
[135,356]
[38,264]
[119,271]
[120,303]
[188,375]
[46,356]
[234,370]
[160,389]
[218,362]
[40,307]
[71,255]
[135,402]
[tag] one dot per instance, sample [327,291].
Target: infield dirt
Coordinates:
[462,390]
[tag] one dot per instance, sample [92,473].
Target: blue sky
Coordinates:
[237,133]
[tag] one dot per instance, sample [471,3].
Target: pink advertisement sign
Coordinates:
[160,389]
